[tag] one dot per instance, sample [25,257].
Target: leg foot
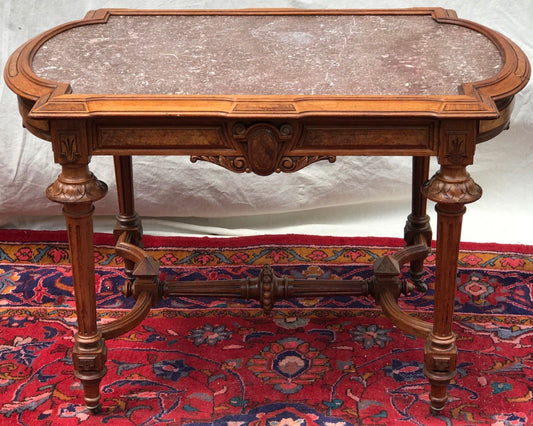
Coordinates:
[89,353]
[89,356]
[95,410]
[440,359]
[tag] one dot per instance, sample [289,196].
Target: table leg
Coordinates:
[451,188]
[89,353]
[440,352]
[417,229]
[76,188]
[127,219]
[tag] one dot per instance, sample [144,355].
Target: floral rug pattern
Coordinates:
[328,361]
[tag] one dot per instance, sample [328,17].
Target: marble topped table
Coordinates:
[267,91]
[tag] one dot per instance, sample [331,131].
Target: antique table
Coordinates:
[267,91]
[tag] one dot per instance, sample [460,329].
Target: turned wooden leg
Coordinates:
[440,352]
[77,188]
[417,229]
[89,353]
[127,220]
[451,188]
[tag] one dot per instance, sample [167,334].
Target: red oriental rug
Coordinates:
[329,361]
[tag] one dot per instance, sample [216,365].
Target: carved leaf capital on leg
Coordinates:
[77,188]
[452,184]
[451,188]
[76,184]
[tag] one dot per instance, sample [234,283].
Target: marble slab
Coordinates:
[268,55]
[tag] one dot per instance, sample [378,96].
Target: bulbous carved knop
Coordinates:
[89,190]
[452,185]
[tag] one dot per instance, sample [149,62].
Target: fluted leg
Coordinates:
[440,352]
[77,188]
[451,188]
[89,350]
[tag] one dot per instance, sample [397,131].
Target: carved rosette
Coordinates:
[263,149]
[452,185]
[88,189]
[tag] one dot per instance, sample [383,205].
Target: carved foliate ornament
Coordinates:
[237,164]
[452,185]
[457,143]
[70,142]
[456,152]
[89,189]
[69,151]
[263,149]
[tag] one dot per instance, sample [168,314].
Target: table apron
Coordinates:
[300,139]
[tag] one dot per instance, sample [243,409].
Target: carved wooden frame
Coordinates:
[484,100]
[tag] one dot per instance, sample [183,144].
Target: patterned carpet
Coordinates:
[223,362]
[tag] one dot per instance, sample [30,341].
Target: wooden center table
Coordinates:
[267,91]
